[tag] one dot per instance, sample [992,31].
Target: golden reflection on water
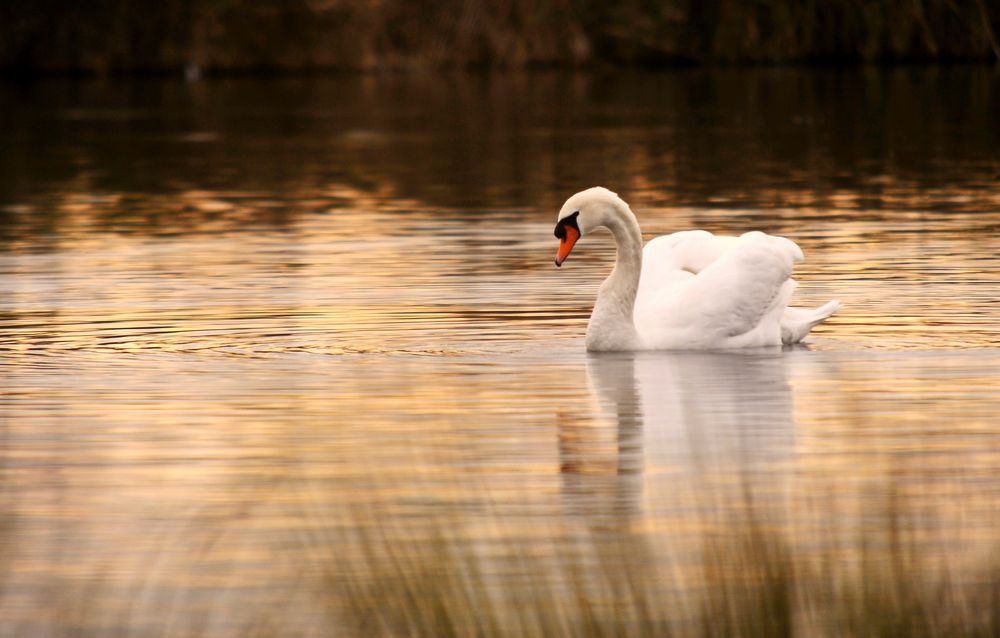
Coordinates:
[195,430]
[353,406]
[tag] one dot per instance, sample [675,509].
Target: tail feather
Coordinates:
[797,322]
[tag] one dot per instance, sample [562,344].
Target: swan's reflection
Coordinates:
[687,419]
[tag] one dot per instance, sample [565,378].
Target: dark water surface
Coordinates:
[290,357]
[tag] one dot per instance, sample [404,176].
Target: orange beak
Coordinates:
[566,244]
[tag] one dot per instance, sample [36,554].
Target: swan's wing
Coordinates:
[690,250]
[734,298]
[669,259]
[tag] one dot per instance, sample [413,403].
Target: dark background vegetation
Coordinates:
[114,36]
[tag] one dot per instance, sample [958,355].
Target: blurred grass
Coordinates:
[365,572]
[748,579]
[107,36]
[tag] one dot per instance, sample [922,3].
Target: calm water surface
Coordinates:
[291,357]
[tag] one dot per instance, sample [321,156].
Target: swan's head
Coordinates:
[584,213]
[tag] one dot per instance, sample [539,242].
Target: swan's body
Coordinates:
[688,290]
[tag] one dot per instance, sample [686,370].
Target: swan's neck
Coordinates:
[611,325]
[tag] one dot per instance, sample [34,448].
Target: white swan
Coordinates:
[688,290]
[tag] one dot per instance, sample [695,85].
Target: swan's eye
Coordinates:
[568,220]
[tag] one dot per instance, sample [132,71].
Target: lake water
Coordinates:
[290,358]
